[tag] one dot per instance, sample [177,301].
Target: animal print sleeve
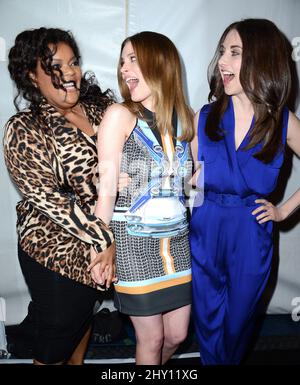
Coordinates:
[28,163]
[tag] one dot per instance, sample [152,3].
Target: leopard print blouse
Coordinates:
[55,168]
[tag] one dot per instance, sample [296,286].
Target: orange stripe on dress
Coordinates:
[161,251]
[154,286]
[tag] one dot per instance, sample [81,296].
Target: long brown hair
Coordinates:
[160,65]
[265,77]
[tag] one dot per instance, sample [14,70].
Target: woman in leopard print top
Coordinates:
[50,153]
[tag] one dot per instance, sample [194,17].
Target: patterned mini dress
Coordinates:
[154,272]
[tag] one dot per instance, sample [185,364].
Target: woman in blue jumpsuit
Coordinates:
[231,232]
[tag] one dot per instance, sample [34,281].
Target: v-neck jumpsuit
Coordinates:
[231,251]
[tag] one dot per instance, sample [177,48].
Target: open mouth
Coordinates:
[227,77]
[132,83]
[70,86]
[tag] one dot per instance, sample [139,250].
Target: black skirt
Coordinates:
[63,310]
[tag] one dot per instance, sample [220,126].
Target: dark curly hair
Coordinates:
[32,45]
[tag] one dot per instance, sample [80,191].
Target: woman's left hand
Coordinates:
[268,211]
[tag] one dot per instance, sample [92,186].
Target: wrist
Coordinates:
[283,213]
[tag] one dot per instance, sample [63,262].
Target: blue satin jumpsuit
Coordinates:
[231,251]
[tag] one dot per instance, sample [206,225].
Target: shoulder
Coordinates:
[117,115]
[206,109]
[21,117]
[118,110]
[203,112]
[21,121]
[21,133]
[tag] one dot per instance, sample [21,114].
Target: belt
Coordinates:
[230,200]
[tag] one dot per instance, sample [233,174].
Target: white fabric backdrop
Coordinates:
[99,27]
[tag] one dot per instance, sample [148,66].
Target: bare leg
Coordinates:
[79,353]
[149,333]
[176,323]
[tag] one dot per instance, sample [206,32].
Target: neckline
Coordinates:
[48,112]
[85,114]
[149,116]
[94,136]
[246,136]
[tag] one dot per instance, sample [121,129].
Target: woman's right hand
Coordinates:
[102,266]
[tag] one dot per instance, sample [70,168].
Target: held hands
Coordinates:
[102,266]
[268,212]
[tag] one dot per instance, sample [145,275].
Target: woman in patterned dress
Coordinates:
[147,136]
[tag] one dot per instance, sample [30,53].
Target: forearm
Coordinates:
[289,206]
[109,173]
[105,208]
[33,173]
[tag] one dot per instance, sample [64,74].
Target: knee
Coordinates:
[153,340]
[175,337]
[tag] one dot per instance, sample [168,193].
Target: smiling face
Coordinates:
[133,77]
[66,66]
[230,62]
